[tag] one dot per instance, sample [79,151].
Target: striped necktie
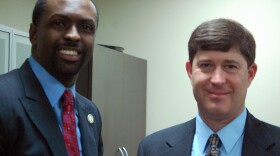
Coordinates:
[214,146]
[69,124]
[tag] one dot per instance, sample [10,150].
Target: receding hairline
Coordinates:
[41,5]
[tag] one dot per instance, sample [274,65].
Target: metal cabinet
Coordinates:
[119,90]
[15,47]
[5,46]
[21,48]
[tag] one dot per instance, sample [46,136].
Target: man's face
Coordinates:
[64,37]
[220,81]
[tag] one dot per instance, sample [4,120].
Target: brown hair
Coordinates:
[222,35]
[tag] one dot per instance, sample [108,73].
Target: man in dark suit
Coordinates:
[221,67]
[34,120]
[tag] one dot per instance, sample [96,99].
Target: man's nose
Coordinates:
[72,34]
[218,77]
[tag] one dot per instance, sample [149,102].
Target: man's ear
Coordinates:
[189,68]
[33,34]
[252,73]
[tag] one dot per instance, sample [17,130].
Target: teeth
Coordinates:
[69,52]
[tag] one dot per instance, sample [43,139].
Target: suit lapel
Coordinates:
[181,142]
[86,128]
[40,111]
[257,141]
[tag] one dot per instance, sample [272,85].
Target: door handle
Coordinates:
[125,151]
[121,151]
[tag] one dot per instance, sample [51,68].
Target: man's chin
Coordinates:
[67,72]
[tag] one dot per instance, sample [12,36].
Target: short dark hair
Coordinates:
[222,35]
[39,9]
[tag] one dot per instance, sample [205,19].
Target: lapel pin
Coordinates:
[90,118]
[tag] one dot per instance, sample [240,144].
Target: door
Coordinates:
[108,95]
[134,112]
[119,90]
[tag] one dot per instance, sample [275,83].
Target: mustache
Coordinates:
[68,44]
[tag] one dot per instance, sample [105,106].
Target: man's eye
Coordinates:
[205,65]
[231,68]
[88,28]
[58,24]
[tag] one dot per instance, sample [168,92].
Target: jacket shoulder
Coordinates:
[8,79]
[260,138]
[163,139]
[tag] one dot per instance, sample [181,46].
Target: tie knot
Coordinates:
[67,98]
[214,144]
[214,140]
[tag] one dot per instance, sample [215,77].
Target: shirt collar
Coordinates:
[203,132]
[229,135]
[51,86]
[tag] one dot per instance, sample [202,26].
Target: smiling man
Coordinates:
[221,67]
[40,111]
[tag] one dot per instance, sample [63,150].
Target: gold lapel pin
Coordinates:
[90,118]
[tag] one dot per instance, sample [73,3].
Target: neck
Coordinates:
[214,124]
[66,80]
[217,122]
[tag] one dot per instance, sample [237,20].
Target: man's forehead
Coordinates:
[212,55]
[71,1]
[85,7]
[70,4]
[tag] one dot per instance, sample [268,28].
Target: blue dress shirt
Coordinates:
[54,90]
[231,136]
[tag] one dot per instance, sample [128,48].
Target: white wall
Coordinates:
[158,30]
[16,13]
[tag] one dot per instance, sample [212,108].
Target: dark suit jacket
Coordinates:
[260,139]
[28,125]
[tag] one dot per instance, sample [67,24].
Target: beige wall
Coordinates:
[158,30]
[16,13]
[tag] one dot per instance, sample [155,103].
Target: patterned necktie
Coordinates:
[69,124]
[214,146]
